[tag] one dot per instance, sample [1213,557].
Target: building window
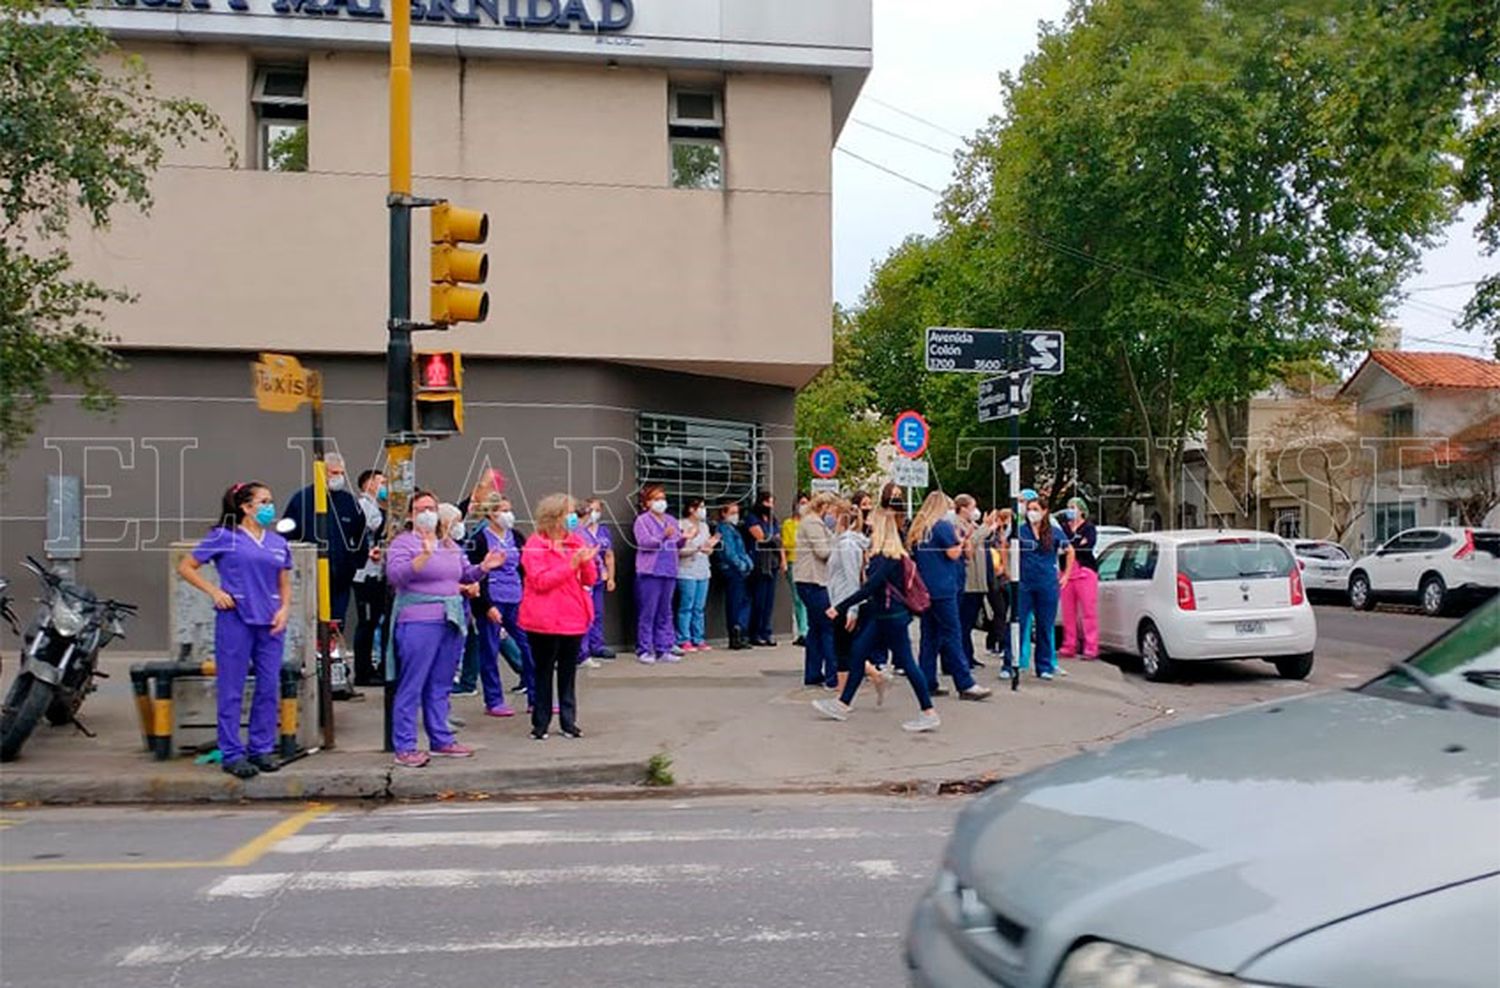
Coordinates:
[1393,518]
[1289,523]
[695,126]
[714,460]
[280,99]
[1400,422]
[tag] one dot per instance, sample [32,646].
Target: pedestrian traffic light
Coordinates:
[440,392]
[455,267]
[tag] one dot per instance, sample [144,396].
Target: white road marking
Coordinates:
[160,953]
[439,811]
[879,868]
[264,885]
[309,843]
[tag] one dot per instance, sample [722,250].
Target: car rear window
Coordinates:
[1233,559]
[1488,542]
[1322,550]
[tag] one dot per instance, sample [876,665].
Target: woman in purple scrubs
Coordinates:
[253,599]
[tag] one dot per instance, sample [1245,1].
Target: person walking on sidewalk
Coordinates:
[369,580]
[1042,543]
[595,533]
[764,542]
[845,575]
[252,603]
[886,626]
[933,539]
[693,574]
[815,538]
[974,533]
[789,553]
[1080,594]
[657,539]
[557,609]
[735,566]
[425,567]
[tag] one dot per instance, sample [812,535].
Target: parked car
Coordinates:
[1177,597]
[1108,535]
[1439,569]
[1325,568]
[1333,840]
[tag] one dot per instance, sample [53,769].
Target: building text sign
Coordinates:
[583,15]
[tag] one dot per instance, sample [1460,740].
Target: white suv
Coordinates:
[1433,567]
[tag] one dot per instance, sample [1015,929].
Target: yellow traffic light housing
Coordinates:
[454,267]
[439,392]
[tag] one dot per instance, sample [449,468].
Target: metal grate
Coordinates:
[708,458]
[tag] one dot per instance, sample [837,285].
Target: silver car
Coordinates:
[1336,840]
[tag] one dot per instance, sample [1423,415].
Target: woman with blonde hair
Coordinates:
[886,627]
[556,609]
[934,543]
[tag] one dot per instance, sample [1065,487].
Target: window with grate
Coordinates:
[280,103]
[706,458]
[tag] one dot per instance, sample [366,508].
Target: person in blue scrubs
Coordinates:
[1046,563]
[934,543]
[253,600]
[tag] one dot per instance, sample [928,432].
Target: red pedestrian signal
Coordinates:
[439,392]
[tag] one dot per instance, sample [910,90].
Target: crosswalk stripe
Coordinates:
[311,843]
[160,953]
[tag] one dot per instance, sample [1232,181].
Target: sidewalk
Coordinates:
[729,721]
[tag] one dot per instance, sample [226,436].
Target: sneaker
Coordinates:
[688,647]
[1047,676]
[975,693]
[940,691]
[646,659]
[673,656]
[797,642]
[572,732]
[703,647]
[832,709]
[922,723]
[503,710]
[591,663]
[975,664]
[454,750]
[464,691]
[1006,672]
[266,763]
[604,653]
[241,768]
[538,737]
[456,723]
[677,650]
[412,759]
[556,710]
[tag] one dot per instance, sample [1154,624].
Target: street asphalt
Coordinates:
[723,892]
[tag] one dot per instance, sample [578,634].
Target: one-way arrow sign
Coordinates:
[1004,396]
[987,351]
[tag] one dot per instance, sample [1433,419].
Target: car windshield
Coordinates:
[1463,666]
[1233,559]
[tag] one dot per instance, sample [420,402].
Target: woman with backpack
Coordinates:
[933,541]
[892,590]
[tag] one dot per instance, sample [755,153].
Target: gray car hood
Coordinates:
[1214,841]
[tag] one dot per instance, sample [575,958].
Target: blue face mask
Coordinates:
[572,520]
[265,515]
[1067,514]
[382,494]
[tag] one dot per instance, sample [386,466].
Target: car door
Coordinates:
[1386,567]
[1131,583]
[1430,554]
[1110,562]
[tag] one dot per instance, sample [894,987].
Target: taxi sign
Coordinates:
[282,384]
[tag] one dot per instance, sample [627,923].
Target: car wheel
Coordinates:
[1434,595]
[1295,666]
[1360,597]
[1155,662]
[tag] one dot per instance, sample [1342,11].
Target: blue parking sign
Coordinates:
[911,434]
[824,462]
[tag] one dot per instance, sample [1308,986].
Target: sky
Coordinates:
[936,81]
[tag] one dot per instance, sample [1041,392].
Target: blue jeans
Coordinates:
[941,636]
[1038,603]
[692,598]
[820,663]
[969,606]
[736,601]
[885,635]
[762,605]
[510,617]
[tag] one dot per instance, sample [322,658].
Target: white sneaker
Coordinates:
[832,709]
[591,663]
[646,659]
[922,723]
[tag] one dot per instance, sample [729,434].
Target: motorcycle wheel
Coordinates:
[23,708]
[63,708]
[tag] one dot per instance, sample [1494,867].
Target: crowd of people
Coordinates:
[459,595]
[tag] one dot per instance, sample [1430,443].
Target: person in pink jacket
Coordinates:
[557,608]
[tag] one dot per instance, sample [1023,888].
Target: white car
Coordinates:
[1433,567]
[1108,535]
[1325,567]
[1178,597]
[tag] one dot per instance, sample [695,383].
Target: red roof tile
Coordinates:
[1438,370]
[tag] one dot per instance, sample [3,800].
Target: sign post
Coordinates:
[1005,396]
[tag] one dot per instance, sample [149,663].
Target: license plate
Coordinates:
[1249,627]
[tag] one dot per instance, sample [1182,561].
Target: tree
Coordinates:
[837,407]
[81,133]
[1465,470]
[1317,443]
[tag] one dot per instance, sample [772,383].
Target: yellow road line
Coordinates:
[241,857]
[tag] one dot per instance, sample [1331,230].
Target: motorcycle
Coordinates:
[59,657]
[6,614]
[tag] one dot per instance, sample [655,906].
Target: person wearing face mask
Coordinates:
[815,541]
[556,609]
[864,504]
[348,548]
[763,539]
[252,602]
[846,568]
[789,527]
[933,541]
[369,580]
[596,535]
[997,641]
[1080,595]
[425,566]
[693,573]
[893,501]
[500,595]
[1043,543]
[657,540]
[974,533]
[734,565]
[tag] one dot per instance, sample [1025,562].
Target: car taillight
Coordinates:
[1468,547]
[1297,595]
[1186,601]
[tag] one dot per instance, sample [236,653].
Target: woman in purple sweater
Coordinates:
[656,543]
[424,565]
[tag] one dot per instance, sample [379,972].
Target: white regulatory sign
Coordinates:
[820,484]
[909,473]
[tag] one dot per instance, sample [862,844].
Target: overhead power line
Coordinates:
[912,116]
[902,137]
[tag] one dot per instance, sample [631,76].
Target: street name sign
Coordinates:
[987,351]
[1005,395]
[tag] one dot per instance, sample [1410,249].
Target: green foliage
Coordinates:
[697,165]
[838,408]
[288,151]
[659,770]
[81,132]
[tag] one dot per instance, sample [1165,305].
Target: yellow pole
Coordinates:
[401,98]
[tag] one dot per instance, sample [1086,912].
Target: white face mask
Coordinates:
[975,514]
[733,519]
[701,514]
[337,481]
[1033,515]
[507,519]
[456,531]
[659,506]
[593,517]
[426,521]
